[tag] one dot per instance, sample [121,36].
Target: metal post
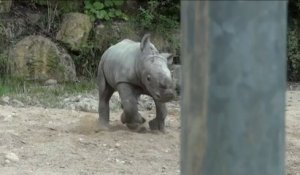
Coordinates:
[234,81]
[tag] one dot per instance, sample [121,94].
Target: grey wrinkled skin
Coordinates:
[135,68]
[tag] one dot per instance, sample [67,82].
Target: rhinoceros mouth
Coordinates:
[155,96]
[164,98]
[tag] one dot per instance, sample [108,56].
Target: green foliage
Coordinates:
[13,85]
[4,39]
[161,16]
[104,9]
[40,2]
[62,6]
[293,54]
[65,7]
[3,64]
[293,41]
[35,93]
[10,85]
[87,60]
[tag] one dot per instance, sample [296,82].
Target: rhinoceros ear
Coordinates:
[145,42]
[168,56]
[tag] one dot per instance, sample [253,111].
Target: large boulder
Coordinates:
[5,6]
[38,58]
[75,30]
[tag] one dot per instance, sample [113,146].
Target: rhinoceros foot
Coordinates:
[137,127]
[157,125]
[125,119]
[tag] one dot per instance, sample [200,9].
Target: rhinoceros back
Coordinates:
[118,62]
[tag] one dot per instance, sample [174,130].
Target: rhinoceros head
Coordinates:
[156,75]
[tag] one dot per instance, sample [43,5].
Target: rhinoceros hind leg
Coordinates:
[105,93]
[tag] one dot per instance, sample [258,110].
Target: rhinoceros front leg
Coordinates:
[158,123]
[129,99]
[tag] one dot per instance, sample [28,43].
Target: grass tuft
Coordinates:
[33,92]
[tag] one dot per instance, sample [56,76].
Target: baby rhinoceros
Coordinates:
[135,68]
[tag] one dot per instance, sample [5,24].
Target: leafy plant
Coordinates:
[160,16]
[293,54]
[293,41]
[3,64]
[104,9]
[87,60]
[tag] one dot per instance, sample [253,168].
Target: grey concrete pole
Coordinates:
[234,81]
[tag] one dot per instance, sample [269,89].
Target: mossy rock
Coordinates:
[38,58]
[75,30]
[5,6]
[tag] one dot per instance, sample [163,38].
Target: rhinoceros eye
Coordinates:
[148,78]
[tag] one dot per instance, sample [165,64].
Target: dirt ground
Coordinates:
[41,141]
[293,133]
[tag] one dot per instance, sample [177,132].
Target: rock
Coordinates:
[5,100]
[5,6]
[12,157]
[8,118]
[120,161]
[33,17]
[87,103]
[117,145]
[36,57]
[145,103]
[51,82]
[17,103]
[115,102]
[75,30]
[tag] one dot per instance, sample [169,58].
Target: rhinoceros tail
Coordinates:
[145,41]
[100,73]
